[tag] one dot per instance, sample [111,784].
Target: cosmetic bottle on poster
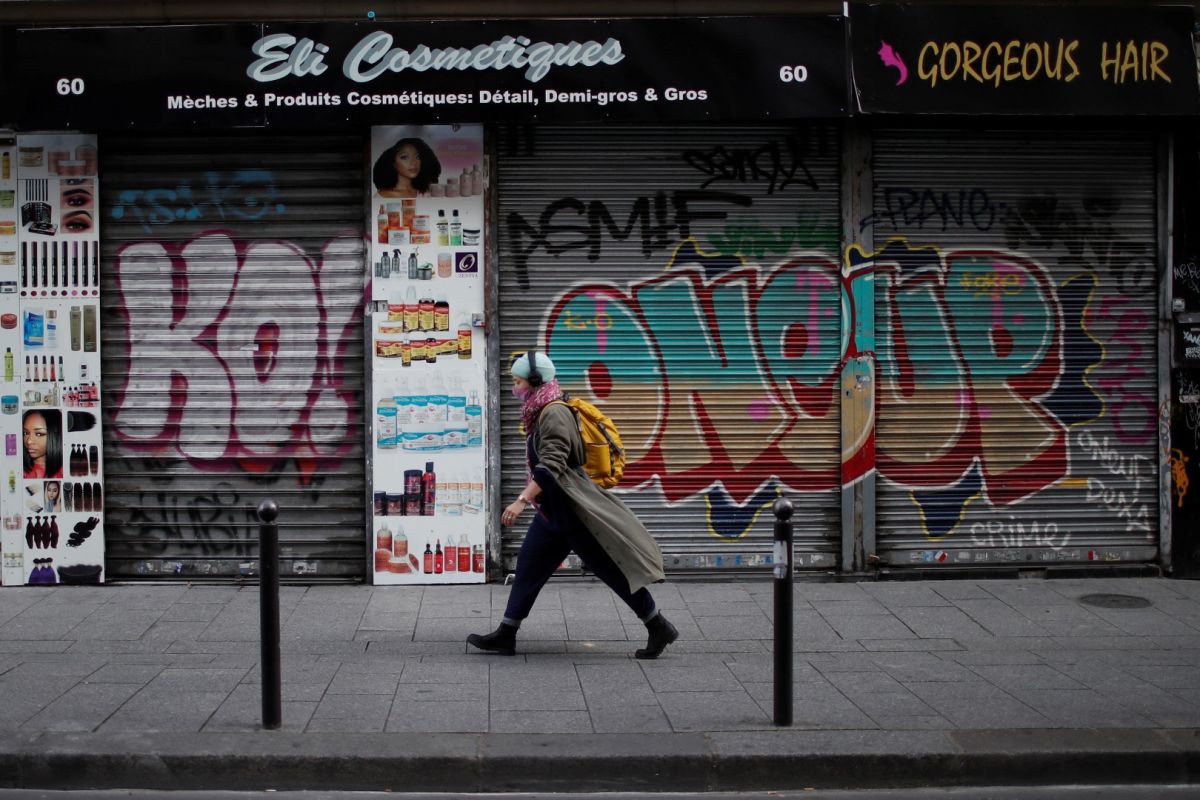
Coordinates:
[76,329]
[454,498]
[451,560]
[443,229]
[412,492]
[455,229]
[464,554]
[383,538]
[463,333]
[381,224]
[428,490]
[427,561]
[474,416]
[439,561]
[441,313]
[89,329]
[412,310]
[385,423]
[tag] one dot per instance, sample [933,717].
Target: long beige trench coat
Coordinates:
[559,447]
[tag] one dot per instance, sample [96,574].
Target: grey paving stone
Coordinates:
[708,711]
[473,671]
[760,667]
[909,645]
[906,667]
[242,711]
[891,704]
[939,622]
[190,612]
[734,628]
[863,606]
[906,723]
[556,675]
[1166,676]
[364,683]
[712,593]
[174,631]
[365,712]
[960,590]
[1010,643]
[164,711]
[197,680]
[1144,622]
[813,592]
[1022,677]
[1081,708]
[139,674]
[897,595]
[526,721]
[374,664]
[992,657]
[373,622]
[1028,593]
[629,719]
[219,595]
[978,705]
[36,668]
[1092,642]
[715,677]
[533,699]
[827,663]
[440,716]
[610,629]
[998,618]
[869,627]
[83,707]
[407,693]
[728,608]
[34,646]
[821,706]
[853,684]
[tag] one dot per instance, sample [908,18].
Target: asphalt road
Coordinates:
[1152,792]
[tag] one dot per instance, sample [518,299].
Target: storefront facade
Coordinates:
[914,287]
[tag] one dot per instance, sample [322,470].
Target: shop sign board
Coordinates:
[321,75]
[1058,60]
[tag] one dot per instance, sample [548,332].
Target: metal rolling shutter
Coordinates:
[594,266]
[1017,344]
[233,353]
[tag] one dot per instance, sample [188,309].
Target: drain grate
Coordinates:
[1115,601]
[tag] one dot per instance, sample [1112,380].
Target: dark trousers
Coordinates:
[546,546]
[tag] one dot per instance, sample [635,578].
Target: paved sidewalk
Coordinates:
[901,683]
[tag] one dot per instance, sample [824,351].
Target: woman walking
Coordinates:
[571,513]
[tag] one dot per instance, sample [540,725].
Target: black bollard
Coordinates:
[783,611]
[268,575]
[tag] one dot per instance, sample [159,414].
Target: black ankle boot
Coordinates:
[503,640]
[662,633]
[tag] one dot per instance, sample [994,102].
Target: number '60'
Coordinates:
[796,74]
[70,86]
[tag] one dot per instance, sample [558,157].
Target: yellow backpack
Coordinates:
[604,460]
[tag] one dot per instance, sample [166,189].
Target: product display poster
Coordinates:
[52,495]
[427,375]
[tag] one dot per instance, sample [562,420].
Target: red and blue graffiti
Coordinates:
[744,372]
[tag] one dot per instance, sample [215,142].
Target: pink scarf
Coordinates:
[538,399]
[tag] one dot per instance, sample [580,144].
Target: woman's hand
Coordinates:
[512,511]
